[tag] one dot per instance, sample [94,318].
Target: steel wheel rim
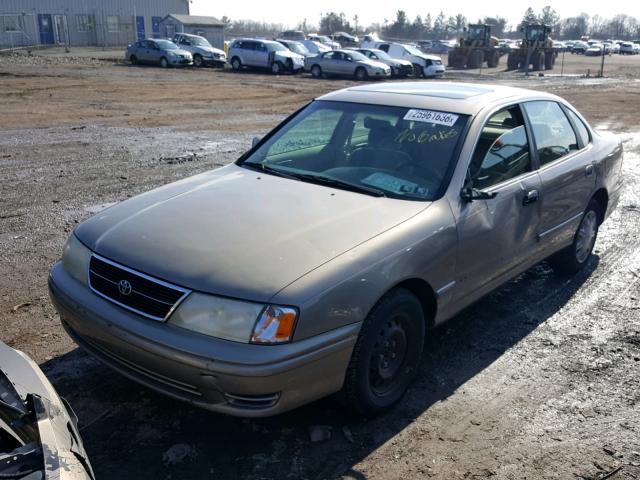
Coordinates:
[275,68]
[586,236]
[388,357]
[198,61]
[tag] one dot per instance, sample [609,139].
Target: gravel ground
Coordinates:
[538,380]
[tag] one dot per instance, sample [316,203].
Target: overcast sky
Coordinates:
[290,12]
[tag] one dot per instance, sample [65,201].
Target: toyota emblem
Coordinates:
[124,287]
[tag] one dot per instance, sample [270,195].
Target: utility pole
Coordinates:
[602,64]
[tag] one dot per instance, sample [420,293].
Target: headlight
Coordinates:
[234,320]
[75,259]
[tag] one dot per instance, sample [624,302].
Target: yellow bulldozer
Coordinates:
[535,50]
[475,47]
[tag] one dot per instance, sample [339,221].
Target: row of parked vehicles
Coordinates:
[320,56]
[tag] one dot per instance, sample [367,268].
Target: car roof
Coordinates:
[463,98]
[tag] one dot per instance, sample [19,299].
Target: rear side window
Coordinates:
[581,128]
[552,131]
[502,152]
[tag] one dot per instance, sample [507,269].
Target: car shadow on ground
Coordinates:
[131,432]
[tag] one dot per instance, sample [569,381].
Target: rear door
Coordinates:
[498,236]
[568,176]
[261,55]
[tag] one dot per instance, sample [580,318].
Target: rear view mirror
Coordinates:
[469,194]
[255,141]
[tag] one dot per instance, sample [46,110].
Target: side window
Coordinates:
[554,135]
[582,130]
[502,151]
[384,47]
[314,130]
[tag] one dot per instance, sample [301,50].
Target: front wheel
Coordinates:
[387,353]
[573,258]
[236,64]
[316,71]
[417,71]
[361,74]
[133,59]
[197,61]
[277,68]
[164,63]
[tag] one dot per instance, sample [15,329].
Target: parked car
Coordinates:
[349,63]
[296,47]
[314,47]
[629,48]
[443,46]
[315,262]
[425,45]
[596,49]
[579,48]
[323,39]
[39,437]
[159,52]
[294,35]
[399,68]
[345,39]
[424,65]
[201,50]
[264,54]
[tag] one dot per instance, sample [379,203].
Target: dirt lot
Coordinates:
[540,380]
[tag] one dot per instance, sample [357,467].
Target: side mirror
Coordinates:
[255,141]
[469,194]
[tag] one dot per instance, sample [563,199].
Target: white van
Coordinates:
[424,65]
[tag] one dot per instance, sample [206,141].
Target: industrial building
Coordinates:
[83,22]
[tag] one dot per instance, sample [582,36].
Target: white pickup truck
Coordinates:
[424,65]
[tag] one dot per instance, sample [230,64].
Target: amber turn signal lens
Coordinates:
[275,325]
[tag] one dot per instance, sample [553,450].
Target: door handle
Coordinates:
[530,197]
[588,170]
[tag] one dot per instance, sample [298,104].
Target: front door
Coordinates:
[140,27]
[498,236]
[46,28]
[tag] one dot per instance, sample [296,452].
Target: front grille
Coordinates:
[132,290]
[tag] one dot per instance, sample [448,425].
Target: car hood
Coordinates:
[25,387]
[237,232]
[179,51]
[374,64]
[289,54]
[209,50]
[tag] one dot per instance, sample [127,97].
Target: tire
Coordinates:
[236,64]
[574,257]
[197,61]
[537,61]
[387,354]
[316,71]
[452,61]
[277,68]
[418,71]
[476,58]
[492,59]
[361,74]
[549,60]
[164,63]
[133,59]
[289,66]
[513,62]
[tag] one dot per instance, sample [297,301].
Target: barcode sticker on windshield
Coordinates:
[430,116]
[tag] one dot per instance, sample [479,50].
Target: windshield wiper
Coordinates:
[334,182]
[263,167]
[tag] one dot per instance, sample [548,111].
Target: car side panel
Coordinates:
[344,290]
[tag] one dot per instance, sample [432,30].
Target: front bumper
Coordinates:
[222,376]
[180,61]
[214,62]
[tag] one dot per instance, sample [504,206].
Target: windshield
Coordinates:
[357,56]
[276,47]
[381,55]
[395,151]
[412,50]
[200,42]
[298,48]
[166,45]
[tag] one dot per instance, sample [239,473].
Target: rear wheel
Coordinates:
[236,64]
[549,60]
[197,60]
[492,59]
[316,71]
[361,74]
[573,258]
[164,63]
[513,62]
[537,61]
[133,59]
[387,353]
[475,59]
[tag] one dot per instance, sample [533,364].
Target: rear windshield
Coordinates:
[400,152]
